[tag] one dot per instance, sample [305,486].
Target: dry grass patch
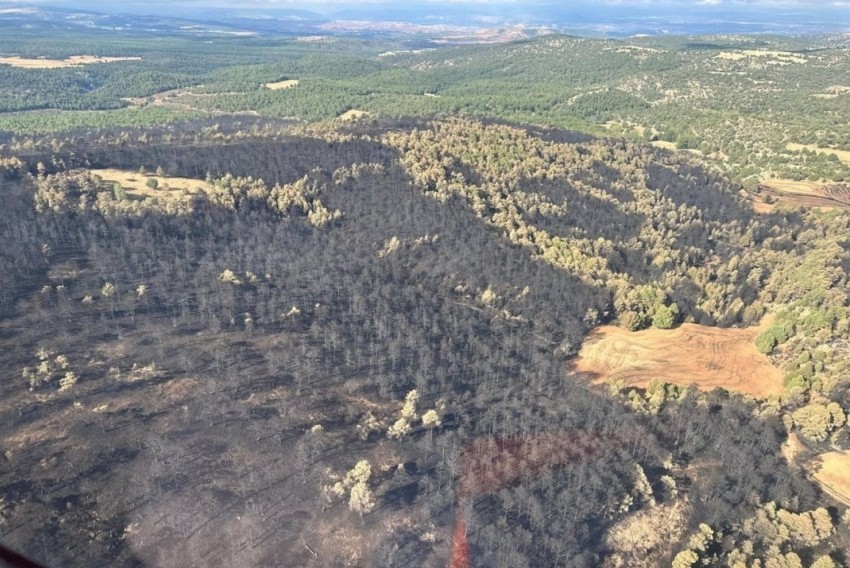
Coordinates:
[762,207]
[790,187]
[833,475]
[792,448]
[135,184]
[778,56]
[278,85]
[630,48]
[73,61]
[626,125]
[842,155]
[707,357]
[664,144]
[353,114]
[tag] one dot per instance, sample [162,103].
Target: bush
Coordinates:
[817,421]
[665,316]
[771,337]
[795,380]
[766,341]
[152,183]
[632,321]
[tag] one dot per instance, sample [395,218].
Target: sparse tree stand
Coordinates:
[685,559]
[361,500]
[401,427]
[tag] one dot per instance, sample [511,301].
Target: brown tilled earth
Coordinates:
[824,196]
[707,357]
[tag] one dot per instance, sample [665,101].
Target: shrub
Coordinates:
[766,341]
[773,336]
[665,316]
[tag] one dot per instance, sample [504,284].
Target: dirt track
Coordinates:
[708,357]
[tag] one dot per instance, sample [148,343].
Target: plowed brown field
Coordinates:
[824,196]
[707,357]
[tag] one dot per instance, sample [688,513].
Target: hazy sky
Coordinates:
[117,6]
[804,12]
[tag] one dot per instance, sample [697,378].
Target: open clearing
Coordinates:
[707,357]
[643,539]
[288,84]
[834,475]
[821,195]
[664,144]
[353,114]
[72,61]
[630,48]
[777,56]
[788,186]
[842,155]
[626,126]
[183,99]
[833,92]
[792,448]
[135,184]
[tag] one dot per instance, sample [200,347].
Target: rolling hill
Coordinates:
[349,345]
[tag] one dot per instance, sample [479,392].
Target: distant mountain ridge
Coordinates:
[28,17]
[582,19]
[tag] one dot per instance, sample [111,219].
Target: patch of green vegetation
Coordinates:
[59,121]
[716,94]
[773,336]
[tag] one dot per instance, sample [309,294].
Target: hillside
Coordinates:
[348,345]
[762,108]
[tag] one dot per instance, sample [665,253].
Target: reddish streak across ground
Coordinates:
[460,545]
[489,464]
